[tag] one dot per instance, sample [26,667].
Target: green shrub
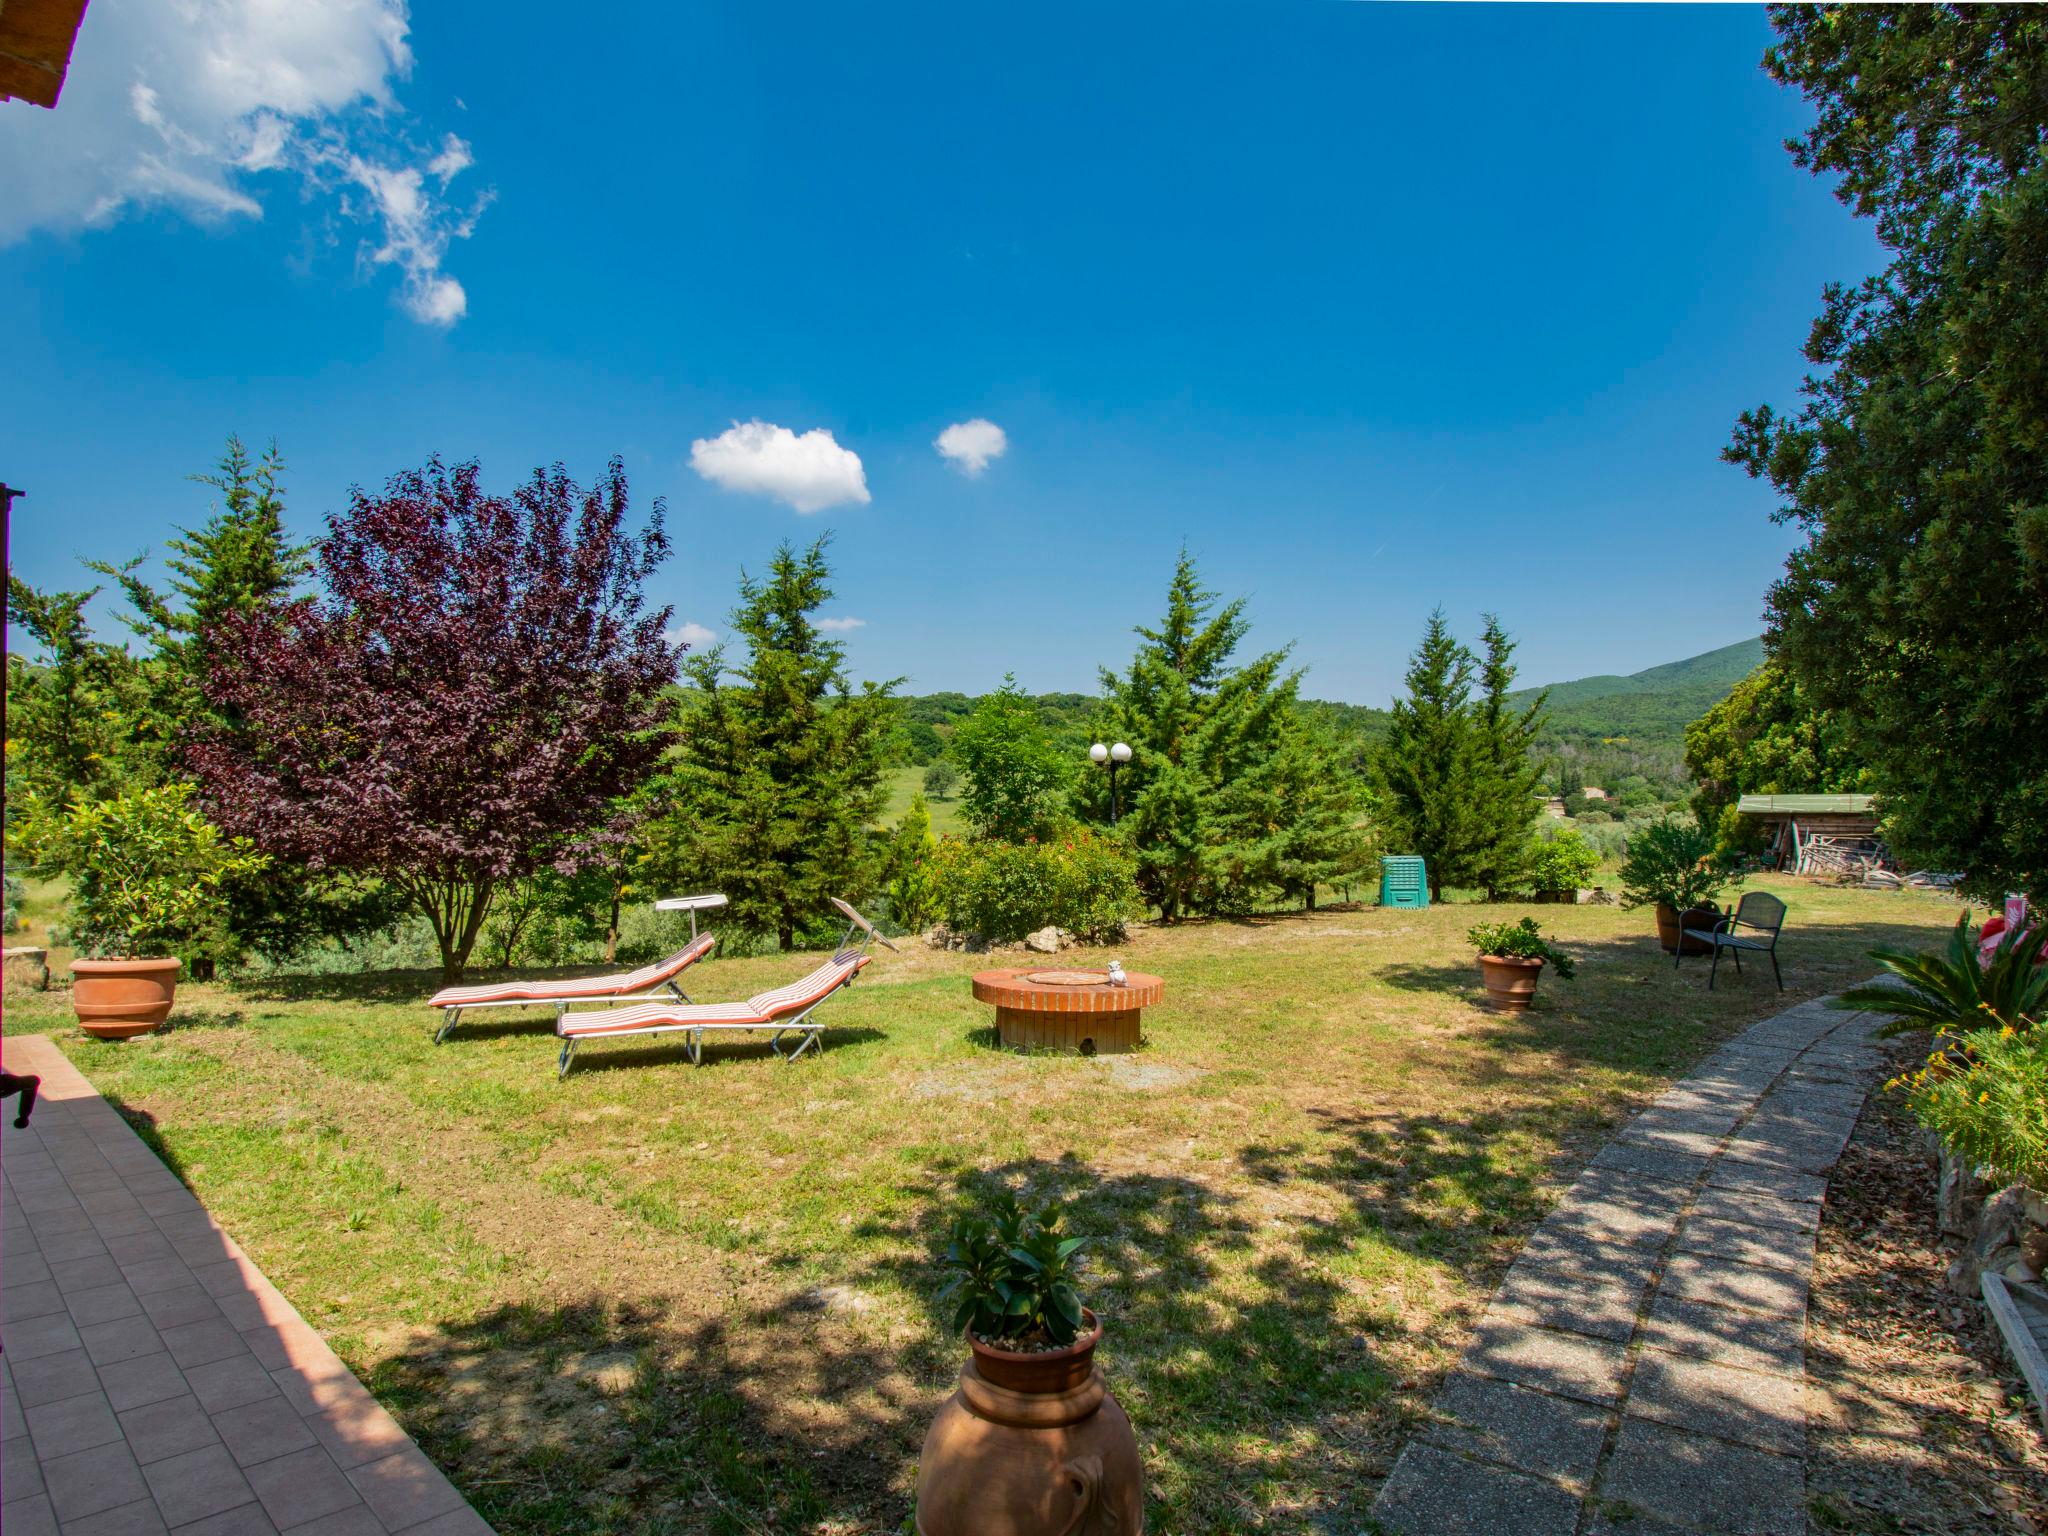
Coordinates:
[1672,863]
[906,870]
[1078,880]
[1562,861]
[15,892]
[1519,941]
[145,871]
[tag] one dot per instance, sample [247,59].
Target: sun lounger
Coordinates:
[628,986]
[784,1011]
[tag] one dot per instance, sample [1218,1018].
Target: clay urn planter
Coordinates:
[119,999]
[1510,981]
[1031,1445]
[1671,923]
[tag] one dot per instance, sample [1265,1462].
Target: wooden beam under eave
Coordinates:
[35,47]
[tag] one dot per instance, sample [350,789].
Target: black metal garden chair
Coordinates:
[1752,926]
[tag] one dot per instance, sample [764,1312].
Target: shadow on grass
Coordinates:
[184,1018]
[1221,1348]
[719,1050]
[603,1415]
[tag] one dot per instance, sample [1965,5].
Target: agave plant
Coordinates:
[1951,993]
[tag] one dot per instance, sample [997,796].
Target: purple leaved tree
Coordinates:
[460,708]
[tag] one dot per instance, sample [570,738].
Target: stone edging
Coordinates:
[1648,1347]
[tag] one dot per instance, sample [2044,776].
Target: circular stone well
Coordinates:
[1067,1010]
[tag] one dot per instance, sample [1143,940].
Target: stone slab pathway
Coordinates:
[1641,1370]
[152,1380]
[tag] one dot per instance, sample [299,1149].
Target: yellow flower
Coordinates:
[1984,1098]
[2006,1032]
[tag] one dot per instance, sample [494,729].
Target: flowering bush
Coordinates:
[1001,891]
[1985,1094]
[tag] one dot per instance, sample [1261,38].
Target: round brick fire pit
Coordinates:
[1050,1009]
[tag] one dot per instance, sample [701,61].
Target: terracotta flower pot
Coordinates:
[1671,922]
[118,999]
[1510,980]
[1031,1445]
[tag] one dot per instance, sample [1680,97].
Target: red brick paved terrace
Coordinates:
[1047,1008]
[153,1380]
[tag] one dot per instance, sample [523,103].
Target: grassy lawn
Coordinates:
[903,784]
[661,1299]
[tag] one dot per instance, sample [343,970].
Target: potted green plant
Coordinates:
[1031,1443]
[1672,866]
[1511,957]
[145,870]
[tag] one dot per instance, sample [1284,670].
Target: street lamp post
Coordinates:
[1111,758]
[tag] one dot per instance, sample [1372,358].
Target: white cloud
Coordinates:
[969,445]
[810,472]
[839,626]
[694,635]
[192,104]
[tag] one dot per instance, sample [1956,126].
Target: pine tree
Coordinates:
[1508,771]
[1428,764]
[71,712]
[237,563]
[782,761]
[1203,796]
[1324,836]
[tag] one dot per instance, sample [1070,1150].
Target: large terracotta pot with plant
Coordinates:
[1672,867]
[1511,958]
[145,870]
[1031,1443]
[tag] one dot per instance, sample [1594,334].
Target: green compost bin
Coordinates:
[1403,881]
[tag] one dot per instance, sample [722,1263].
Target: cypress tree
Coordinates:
[1507,770]
[1207,805]
[1323,836]
[237,562]
[781,760]
[1429,762]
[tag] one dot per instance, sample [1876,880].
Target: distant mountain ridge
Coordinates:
[1653,706]
[1713,673]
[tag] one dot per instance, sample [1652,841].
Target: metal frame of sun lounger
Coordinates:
[561,1005]
[799,1023]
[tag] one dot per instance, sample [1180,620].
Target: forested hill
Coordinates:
[1624,733]
[1654,705]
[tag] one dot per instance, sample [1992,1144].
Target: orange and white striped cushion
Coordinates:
[799,995]
[578,986]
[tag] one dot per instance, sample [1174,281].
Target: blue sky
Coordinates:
[1377,307]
